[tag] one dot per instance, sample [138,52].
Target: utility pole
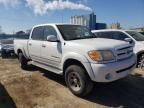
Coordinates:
[0,29]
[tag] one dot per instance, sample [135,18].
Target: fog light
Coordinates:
[108,76]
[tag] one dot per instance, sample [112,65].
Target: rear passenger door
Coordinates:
[35,43]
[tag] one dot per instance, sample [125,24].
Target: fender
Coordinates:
[22,50]
[82,59]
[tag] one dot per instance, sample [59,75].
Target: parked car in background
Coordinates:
[133,37]
[5,37]
[74,52]
[6,44]
[7,47]
[142,33]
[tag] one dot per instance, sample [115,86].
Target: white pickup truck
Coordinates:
[74,52]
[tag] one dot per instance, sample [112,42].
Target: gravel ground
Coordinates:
[38,88]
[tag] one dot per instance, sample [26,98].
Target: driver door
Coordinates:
[51,51]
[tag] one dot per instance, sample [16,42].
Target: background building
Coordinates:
[115,26]
[101,26]
[87,20]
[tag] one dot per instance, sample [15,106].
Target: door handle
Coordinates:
[44,46]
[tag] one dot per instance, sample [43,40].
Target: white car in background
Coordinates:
[133,37]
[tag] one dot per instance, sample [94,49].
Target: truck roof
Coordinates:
[53,24]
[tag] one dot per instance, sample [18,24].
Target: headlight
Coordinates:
[104,55]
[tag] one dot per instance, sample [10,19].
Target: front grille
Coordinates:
[124,52]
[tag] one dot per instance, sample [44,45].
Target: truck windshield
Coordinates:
[137,36]
[75,32]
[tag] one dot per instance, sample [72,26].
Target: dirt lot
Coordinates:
[37,88]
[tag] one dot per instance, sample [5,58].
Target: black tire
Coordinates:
[141,62]
[84,85]
[23,61]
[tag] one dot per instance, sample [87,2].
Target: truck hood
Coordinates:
[99,43]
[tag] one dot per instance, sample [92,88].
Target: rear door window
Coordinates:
[37,33]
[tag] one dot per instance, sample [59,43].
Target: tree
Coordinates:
[20,33]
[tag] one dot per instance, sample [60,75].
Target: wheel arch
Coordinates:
[21,51]
[139,55]
[72,61]
[80,60]
[18,51]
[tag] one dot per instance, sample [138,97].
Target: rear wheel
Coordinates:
[141,62]
[78,81]
[23,61]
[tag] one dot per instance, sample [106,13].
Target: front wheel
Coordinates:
[141,62]
[22,60]
[78,81]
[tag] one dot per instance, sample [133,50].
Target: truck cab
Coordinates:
[74,52]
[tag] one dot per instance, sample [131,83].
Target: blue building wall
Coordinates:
[92,21]
[99,26]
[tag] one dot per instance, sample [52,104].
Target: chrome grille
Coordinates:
[123,53]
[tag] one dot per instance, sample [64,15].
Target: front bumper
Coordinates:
[113,71]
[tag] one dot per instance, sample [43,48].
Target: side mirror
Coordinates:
[52,38]
[128,39]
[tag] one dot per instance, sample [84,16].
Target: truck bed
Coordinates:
[21,44]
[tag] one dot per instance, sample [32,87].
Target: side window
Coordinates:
[104,35]
[112,35]
[118,35]
[37,33]
[49,30]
